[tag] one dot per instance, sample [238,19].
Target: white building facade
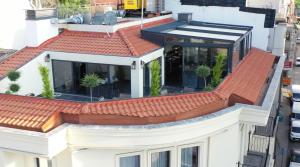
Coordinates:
[217,139]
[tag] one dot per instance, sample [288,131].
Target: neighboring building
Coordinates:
[284,8]
[127,128]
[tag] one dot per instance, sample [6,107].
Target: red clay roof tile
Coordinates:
[30,113]
[249,78]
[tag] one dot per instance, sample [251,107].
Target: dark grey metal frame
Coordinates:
[159,34]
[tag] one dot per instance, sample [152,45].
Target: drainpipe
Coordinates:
[249,136]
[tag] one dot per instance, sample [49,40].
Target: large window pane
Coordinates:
[63,76]
[190,157]
[132,161]
[160,159]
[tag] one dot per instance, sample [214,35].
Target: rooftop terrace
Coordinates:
[246,84]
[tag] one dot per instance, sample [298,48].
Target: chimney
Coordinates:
[38,26]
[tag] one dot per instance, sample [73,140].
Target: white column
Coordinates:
[137,77]
[244,140]
[279,39]
[163,70]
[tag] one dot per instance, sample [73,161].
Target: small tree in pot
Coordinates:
[203,71]
[91,81]
[13,76]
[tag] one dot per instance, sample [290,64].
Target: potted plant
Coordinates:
[13,76]
[91,81]
[155,78]
[47,91]
[203,71]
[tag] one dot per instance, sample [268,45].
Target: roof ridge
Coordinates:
[49,41]
[127,43]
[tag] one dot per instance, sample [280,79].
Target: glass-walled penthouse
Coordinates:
[68,77]
[188,45]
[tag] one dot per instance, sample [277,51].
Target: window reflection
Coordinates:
[187,60]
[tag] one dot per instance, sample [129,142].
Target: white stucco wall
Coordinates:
[38,31]
[279,39]
[12,21]
[17,32]
[211,151]
[225,15]
[94,157]
[224,148]
[10,159]
[30,80]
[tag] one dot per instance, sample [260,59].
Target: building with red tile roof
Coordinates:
[46,131]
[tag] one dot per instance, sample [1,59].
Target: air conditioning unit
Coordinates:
[185,17]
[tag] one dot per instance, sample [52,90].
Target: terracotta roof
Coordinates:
[249,78]
[246,84]
[17,60]
[33,113]
[151,110]
[125,42]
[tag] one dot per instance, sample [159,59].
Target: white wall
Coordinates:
[224,148]
[281,6]
[12,23]
[10,159]
[96,157]
[64,159]
[279,39]
[211,151]
[38,31]
[30,80]
[226,15]
[17,32]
